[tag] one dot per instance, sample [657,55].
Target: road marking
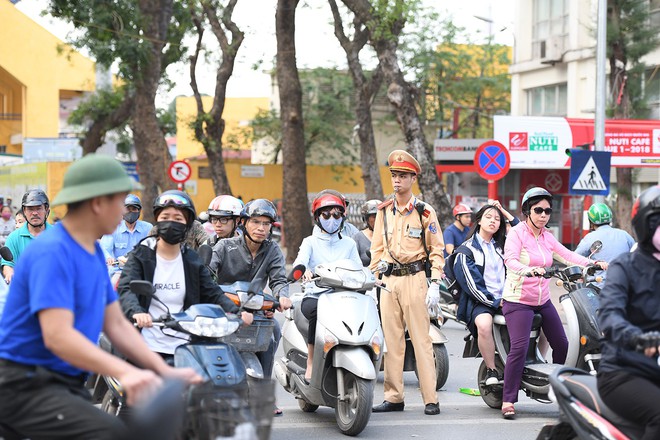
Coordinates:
[303,424]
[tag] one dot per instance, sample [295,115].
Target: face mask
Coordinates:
[131,217]
[171,232]
[330,225]
[6,215]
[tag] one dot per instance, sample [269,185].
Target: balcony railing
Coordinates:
[11,116]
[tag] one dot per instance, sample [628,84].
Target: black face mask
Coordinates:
[171,232]
[131,217]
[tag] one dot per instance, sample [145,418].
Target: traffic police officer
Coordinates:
[405,229]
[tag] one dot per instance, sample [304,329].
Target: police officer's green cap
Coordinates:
[93,176]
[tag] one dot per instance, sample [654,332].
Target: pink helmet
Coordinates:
[225,206]
[461,209]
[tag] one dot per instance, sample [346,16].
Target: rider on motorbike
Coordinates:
[178,274]
[324,245]
[253,257]
[224,212]
[629,381]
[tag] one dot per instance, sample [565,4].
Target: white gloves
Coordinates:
[433,298]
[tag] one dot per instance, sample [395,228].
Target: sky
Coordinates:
[316,45]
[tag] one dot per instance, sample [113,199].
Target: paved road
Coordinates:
[462,416]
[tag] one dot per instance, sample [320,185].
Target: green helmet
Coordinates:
[93,176]
[600,214]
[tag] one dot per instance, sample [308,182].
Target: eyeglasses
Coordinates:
[538,210]
[265,225]
[336,214]
[171,199]
[221,220]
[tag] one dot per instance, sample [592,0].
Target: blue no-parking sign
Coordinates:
[492,160]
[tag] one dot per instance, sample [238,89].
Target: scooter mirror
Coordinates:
[6,254]
[142,288]
[205,252]
[297,272]
[596,246]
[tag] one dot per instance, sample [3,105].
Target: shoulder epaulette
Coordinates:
[385,204]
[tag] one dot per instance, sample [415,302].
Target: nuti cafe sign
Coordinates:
[538,142]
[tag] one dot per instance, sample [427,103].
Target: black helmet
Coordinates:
[646,216]
[35,197]
[533,196]
[176,199]
[259,207]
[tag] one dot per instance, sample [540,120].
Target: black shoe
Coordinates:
[492,377]
[432,409]
[388,407]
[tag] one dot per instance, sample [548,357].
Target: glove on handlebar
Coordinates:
[647,340]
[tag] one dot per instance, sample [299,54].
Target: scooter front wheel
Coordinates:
[353,413]
[491,394]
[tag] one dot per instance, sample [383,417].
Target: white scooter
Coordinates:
[348,346]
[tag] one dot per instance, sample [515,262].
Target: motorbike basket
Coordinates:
[215,414]
[254,338]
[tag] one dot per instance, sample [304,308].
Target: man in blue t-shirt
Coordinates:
[60,299]
[456,233]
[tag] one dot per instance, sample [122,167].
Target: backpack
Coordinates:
[453,286]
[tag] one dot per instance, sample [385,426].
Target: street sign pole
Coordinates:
[492,189]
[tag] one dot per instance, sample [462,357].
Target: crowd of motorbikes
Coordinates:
[236,400]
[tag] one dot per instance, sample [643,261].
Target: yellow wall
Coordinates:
[237,114]
[341,178]
[30,57]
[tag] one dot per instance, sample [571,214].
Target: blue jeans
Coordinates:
[519,324]
[267,358]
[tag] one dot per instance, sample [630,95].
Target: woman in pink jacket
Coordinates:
[529,249]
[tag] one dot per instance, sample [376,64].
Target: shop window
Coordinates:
[547,100]
[652,91]
[654,14]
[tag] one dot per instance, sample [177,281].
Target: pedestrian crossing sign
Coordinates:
[590,172]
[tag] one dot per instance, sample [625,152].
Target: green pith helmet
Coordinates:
[600,214]
[93,176]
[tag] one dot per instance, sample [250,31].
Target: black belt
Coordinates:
[400,270]
[66,378]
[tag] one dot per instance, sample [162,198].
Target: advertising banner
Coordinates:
[539,142]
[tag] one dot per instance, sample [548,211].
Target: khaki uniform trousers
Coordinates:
[405,306]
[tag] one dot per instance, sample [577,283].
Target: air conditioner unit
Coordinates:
[551,50]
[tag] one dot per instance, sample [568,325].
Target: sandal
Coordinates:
[508,412]
[276,411]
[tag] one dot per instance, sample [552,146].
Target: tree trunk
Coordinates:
[210,127]
[295,212]
[365,90]
[150,144]
[401,97]
[96,133]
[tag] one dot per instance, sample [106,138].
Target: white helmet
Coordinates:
[225,206]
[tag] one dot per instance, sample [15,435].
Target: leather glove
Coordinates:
[433,296]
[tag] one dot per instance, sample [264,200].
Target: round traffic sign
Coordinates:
[180,171]
[492,160]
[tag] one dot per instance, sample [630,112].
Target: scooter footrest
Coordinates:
[295,369]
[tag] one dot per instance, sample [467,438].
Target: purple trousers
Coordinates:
[519,323]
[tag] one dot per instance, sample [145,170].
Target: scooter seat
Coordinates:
[536,322]
[301,322]
[585,389]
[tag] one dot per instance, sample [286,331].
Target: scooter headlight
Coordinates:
[210,327]
[351,279]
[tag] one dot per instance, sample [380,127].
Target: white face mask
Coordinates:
[331,225]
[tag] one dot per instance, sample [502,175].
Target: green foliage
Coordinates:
[450,71]
[390,16]
[328,117]
[97,105]
[113,32]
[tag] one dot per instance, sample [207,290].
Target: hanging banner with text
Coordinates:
[540,142]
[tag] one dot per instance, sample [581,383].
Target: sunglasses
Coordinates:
[171,200]
[539,210]
[327,214]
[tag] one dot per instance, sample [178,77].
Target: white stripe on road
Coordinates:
[536,421]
